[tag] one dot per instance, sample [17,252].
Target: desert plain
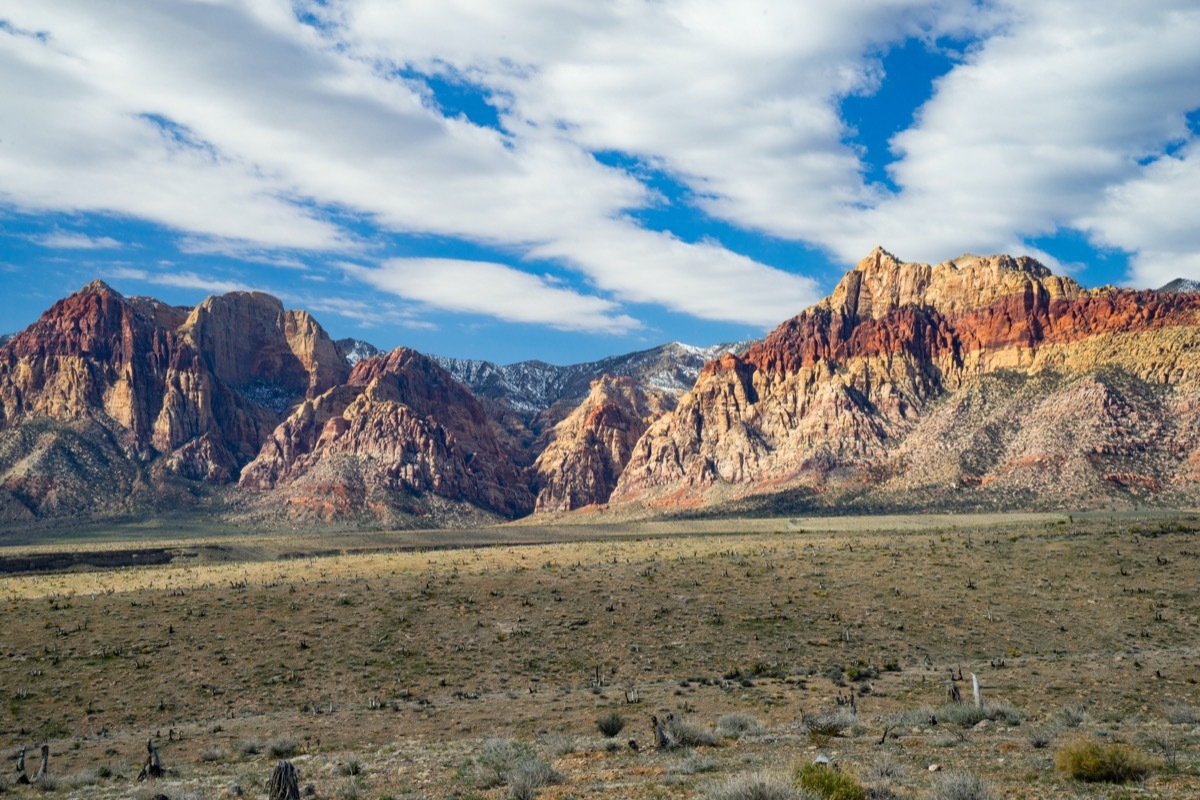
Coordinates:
[412,664]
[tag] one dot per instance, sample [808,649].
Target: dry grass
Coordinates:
[409,661]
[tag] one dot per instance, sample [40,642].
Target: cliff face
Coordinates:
[588,450]
[828,400]
[400,428]
[181,394]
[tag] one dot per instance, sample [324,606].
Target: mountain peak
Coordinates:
[99,287]
[880,283]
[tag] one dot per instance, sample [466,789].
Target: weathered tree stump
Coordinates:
[153,767]
[285,784]
[22,778]
[44,769]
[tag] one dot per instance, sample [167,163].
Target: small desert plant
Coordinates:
[1040,738]
[826,784]
[530,774]
[611,724]
[210,754]
[685,733]
[497,759]
[828,724]
[1183,715]
[735,726]
[283,748]
[968,715]
[351,767]
[885,767]
[1091,761]
[1072,716]
[559,744]
[351,789]
[961,786]
[693,764]
[249,747]
[753,786]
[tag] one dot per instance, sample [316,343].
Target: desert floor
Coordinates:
[414,664]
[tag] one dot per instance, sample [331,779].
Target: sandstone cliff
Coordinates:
[180,393]
[588,450]
[825,405]
[399,431]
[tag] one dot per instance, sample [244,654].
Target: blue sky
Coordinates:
[556,180]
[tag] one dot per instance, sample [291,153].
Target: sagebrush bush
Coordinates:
[1072,716]
[961,786]
[496,759]
[1089,760]
[968,714]
[735,726]
[827,784]
[753,786]
[611,724]
[530,774]
[559,744]
[828,724]
[1183,715]
[283,747]
[685,733]
[884,767]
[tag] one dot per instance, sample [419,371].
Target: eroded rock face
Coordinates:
[826,402]
[588,450]
[195,393]
[401,427]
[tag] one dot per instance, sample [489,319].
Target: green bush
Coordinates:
[827,784]
[611,725]
[1089,760]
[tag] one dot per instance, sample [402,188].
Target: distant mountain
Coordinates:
[534,386]
[980,382]
[5,338]
[355,350]
[1180,285]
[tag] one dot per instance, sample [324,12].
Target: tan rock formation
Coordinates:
[823,403]
[588,450]
[401,427]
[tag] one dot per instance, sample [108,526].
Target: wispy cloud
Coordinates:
[495,290]
[62,240]
[180,280]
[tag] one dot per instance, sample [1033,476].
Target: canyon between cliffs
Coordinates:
[981,383]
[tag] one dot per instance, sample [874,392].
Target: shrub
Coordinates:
[885,767]
[828,724]
[968,715]
[1091,761]
[1072,716]
[1040,738]
[823,782]
[496,760]
[530,774]
[611,725]
[249,747]
[685,733]
[693,764]
[1183,715]
[961,786]
[753,786]
[210,754]
[735,726]
[559,744]
[283,748]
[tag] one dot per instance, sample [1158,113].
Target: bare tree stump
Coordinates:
[44,769]
[285,784]
[977,693]
[22,778]
[153,767]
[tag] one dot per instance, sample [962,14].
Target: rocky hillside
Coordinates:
[401,439]
[979,382]
[1180,285]
[530,387]
[588,450]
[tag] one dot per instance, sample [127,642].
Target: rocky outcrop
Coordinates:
[187,393]
[828,400]
[588,450]
[401,428]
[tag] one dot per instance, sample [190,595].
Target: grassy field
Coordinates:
[459,664]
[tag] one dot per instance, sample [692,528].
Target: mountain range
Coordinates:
[978,383]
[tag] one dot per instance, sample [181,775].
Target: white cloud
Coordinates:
[235,124]
[62,240]
[1041,129]
[179,280]
[496,290]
